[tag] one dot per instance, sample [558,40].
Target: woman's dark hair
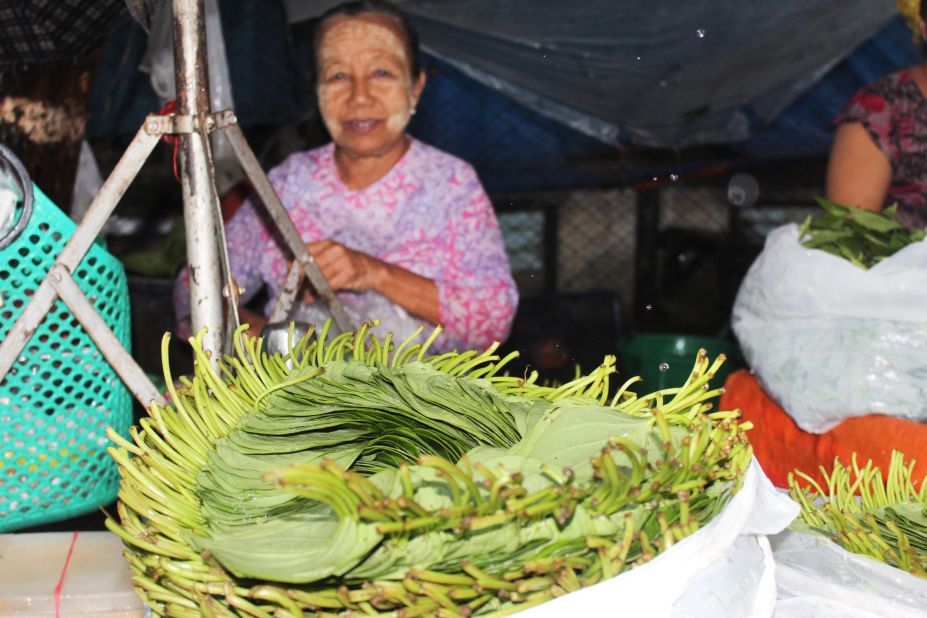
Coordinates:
[375,7]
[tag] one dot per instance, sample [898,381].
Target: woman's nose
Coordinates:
[360,92]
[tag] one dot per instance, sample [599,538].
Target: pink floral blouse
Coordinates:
[429,215]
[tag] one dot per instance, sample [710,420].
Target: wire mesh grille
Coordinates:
[675,270]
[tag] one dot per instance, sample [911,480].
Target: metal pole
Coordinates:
[197,181]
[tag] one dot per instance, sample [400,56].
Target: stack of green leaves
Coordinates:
[885,519]
[863,237]
[358,477]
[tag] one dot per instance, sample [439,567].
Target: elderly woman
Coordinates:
[403,231]
[879,155]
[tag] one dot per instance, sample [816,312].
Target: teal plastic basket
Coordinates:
[60,396]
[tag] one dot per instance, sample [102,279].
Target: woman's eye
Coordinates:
[382,73]
[337,76]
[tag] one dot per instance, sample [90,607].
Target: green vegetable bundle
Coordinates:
[861,236]
[885,519]
[358,477]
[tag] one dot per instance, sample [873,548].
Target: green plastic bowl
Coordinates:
[666,360]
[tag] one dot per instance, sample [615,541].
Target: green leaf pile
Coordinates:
[883,518]
[358,477]
[863,237]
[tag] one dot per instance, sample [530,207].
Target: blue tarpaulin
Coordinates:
[804,128]
[517,148]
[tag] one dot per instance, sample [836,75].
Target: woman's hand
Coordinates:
[346,269]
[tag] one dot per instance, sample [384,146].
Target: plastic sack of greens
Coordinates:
[817,578]
[830,340]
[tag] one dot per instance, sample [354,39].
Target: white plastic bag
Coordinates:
[817,578]
[723,570]
[9,198]
[829,340]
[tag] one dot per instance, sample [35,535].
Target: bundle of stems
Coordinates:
[883,518]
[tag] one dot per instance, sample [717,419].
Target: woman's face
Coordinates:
[366,93]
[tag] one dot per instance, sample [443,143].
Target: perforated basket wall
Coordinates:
[61,394]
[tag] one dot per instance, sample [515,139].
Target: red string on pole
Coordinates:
[174,140]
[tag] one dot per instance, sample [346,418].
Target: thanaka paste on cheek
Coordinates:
[326,95]
[397,121]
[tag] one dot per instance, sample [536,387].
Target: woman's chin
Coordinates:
[368,145]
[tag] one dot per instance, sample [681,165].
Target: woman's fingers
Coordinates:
[317,247]
[345,269]
[334,262]
[326,253]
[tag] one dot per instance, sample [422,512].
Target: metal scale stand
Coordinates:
[213,294]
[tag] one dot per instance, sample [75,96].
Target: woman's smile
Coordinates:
[362,125]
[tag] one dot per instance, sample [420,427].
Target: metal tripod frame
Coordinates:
[206,253]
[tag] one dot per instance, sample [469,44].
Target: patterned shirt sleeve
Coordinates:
[476,293]
[872,108]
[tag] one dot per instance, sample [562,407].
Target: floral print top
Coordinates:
[894,112]
[429,214]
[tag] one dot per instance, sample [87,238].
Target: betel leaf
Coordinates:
[879,241]
[874,221]
[829,220]
[531,469]
[293,551]
[832,207]
[803,229]
[911,517]
[863,237]
[822,237]
[233,492]
[852,256]
[571,434]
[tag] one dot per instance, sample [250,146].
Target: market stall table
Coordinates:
[77,574]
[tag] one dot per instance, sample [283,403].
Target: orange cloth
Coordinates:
[781,446]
